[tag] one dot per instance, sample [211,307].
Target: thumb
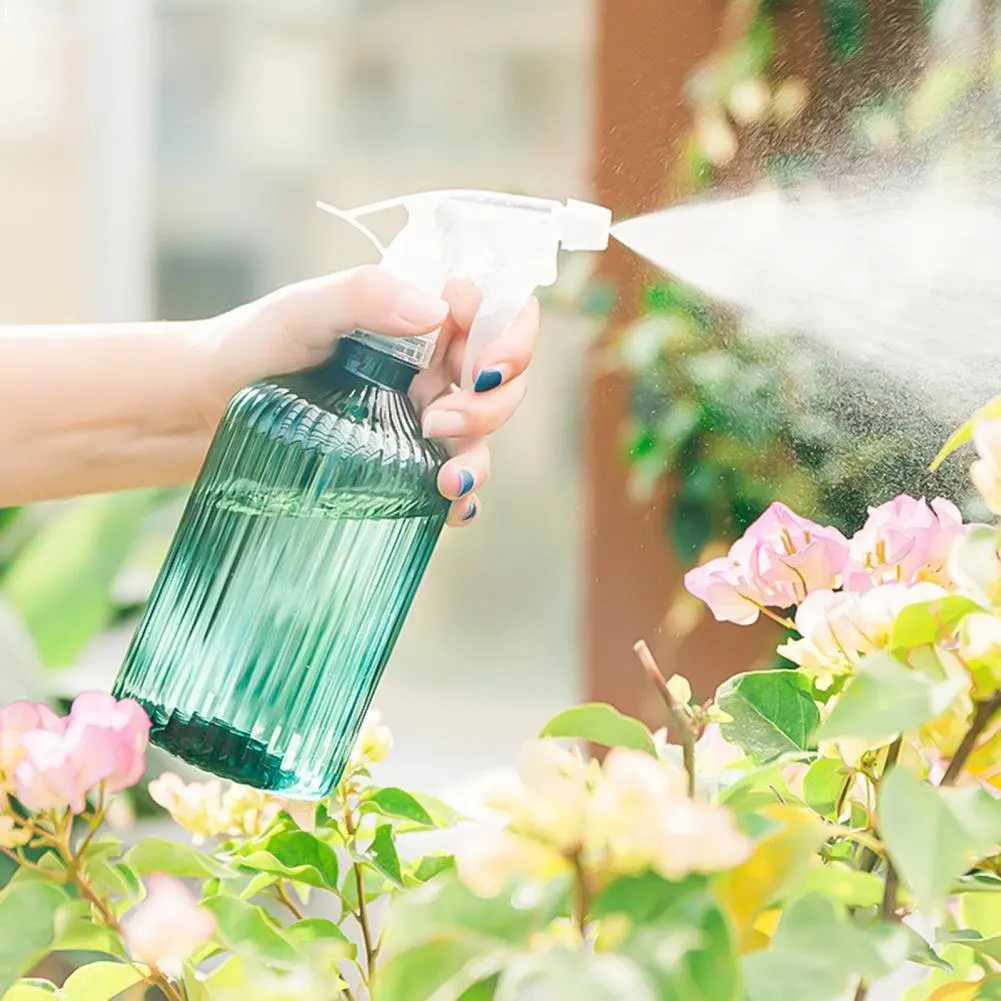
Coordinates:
[316,311]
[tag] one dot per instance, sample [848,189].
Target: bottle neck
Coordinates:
[364,361]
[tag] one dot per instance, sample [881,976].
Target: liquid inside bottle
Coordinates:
[291,573]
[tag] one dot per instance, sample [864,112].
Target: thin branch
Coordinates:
[780,619]
[677,715]
[371,949]
[283,896]
[983,715]
[582,902]
[869,858]
[888,908]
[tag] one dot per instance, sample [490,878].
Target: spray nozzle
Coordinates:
[505,245]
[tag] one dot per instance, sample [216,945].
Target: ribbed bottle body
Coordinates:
[290,575]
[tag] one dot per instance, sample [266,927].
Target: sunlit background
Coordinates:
[162,158]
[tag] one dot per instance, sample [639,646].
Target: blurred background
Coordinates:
[161,159]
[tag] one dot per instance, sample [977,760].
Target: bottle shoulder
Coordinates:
[349,451]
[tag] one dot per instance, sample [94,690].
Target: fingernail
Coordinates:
[489,378]
[444,424]
[421,309]
[466,482]
[471,513]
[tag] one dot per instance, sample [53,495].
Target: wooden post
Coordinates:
[647,50]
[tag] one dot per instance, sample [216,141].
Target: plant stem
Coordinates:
[859,837]
[582,903]
[888,909]
[981,717]
[780,619]
[371,950]
[869,858]
[283,896]
[677,714]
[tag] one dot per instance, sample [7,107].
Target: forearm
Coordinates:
[91,408]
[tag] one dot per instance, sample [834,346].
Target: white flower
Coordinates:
[548,799]
[211,810]
[374,742]
[839,628]
[641,817]
[489,857]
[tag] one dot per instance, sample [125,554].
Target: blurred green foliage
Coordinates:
[736,418]
[59,564]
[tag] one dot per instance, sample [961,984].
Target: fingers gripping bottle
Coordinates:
[313,519]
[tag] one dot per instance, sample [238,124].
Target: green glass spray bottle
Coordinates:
[314,517]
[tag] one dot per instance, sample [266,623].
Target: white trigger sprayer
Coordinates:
[507,246]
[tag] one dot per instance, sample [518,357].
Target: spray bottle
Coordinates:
[316,512]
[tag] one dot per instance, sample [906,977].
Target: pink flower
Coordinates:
[127,726]
[23,715]
[168,926]
[17,719]
[726,585]
[781,558]
[101,741]
[906,540]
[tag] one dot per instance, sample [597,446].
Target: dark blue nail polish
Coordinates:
[466,482]
[489,378]
[471,513]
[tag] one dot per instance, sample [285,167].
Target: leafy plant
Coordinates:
[781,849]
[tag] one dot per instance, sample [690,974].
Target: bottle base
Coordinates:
[227,753]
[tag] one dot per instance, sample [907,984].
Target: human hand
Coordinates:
[297,327]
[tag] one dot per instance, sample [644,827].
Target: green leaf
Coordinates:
[298,856]
[440,812]
[930,622]
[823,785]
[564,975]
[886,698]
[771,713]
[27,927]
[989,989]
[438,968]
[75,931]
[599,723]
[100,981]
[687,950]
[375,884]
[382,854]
[817,952]
[194,984]
[248,931]
[25,990]
[446,909]
[964,433]
[157,855]
[315,929]
[430,866]
[934,835]
[845,886]
[60,583]
[116,881]
[395,803]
